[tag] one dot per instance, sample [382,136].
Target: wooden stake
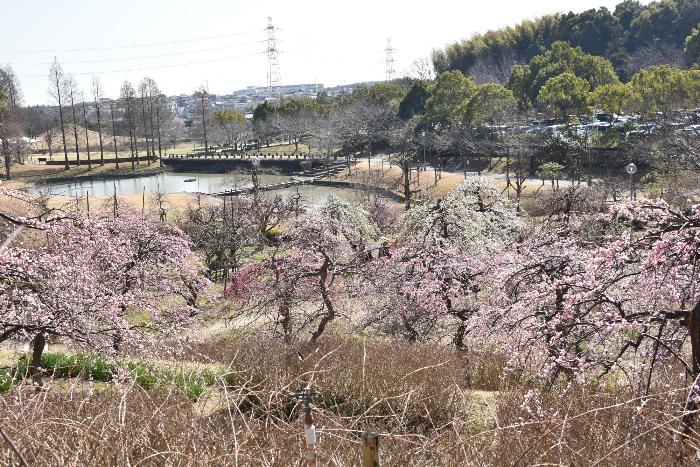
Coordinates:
[370,449]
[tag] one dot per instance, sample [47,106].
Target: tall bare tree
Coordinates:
[114,133]
[153,95]
[158,104]
[297,125]
[127,96]
[97,96]
[58,91]
[87,135]
[49,133]
[408,145]
[10,116]
[144,98]
[72,91]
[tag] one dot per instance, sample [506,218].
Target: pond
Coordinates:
[193,183]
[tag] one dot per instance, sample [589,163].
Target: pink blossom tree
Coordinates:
[98,281]
[432,276]
[307,280]
[624,298]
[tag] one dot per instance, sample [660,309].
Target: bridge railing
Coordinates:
[249,155]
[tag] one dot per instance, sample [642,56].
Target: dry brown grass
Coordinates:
[426,402]
[391,178]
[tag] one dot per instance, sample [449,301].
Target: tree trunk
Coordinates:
[49,144]
[160,147]
[7,157]
[692,404]
[38,344]
[150,123]
[131,144]
[136,141]
[145,129]
[75,130]
[407,186]
[458,338]
[114,135]
[330,309]
[286,322]
[63,126]
[99,132]
[87,139]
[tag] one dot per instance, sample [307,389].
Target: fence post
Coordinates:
[370,449]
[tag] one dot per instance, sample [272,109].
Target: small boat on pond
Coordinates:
[187,180]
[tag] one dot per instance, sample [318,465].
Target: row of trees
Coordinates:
[562,77]
[83,123]
[633,36]
[138,113]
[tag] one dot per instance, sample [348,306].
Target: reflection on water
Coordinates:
[196,183]
[162,182]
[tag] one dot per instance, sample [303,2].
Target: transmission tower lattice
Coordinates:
[273,69]
[389,60]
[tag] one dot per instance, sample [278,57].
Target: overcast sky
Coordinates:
[186,44]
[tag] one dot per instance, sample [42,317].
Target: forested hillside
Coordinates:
[633,36]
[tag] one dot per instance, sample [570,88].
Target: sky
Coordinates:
[221,44]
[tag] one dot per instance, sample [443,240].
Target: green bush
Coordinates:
[149,377]
[5,380]
[60,365]
[191,384]
[273,234]
[143,376]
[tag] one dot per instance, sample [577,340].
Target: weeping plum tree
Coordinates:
[302,286]
[230,232]
[582,300]
[432,274]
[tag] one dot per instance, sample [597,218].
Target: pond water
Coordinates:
[162,182]
[196,183]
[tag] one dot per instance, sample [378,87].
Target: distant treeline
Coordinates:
[633,36]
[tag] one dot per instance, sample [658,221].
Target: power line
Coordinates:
[131,46]
[126,70]
[141,57]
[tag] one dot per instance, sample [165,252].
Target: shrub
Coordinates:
[5,380]
[96,368]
